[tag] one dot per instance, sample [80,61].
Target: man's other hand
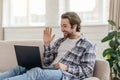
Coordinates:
[61,66]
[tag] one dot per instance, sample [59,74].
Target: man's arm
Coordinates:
[49,54]
[47,38]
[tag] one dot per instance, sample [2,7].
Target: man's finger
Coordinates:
[53,37]
[50,30]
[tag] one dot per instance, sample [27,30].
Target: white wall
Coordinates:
[93,33]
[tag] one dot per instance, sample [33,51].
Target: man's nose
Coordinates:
[62,29]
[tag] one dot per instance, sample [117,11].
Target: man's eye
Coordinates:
[64,26]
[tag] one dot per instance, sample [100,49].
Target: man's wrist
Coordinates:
[46,44]
[67,68]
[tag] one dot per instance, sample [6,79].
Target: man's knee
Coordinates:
[35,70]
[34,73]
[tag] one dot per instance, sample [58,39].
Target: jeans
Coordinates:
[20,73]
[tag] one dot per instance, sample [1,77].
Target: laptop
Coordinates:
[28,56]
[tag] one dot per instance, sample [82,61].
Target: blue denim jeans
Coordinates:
[20,73]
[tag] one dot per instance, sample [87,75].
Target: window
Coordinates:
[91,12]
[24,12]
[45,13]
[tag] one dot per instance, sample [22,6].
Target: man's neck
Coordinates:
[75,35]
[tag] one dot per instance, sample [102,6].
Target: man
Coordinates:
[73,55]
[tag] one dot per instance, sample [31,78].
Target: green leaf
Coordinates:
[112,33]
[110,63]
[118,34]
[119,75]
[107,51]
[118,66]
[105,39]
[112,44]
[111,22]
[118,40]
[115,78]
[119,63]
[113,54]
[109,36]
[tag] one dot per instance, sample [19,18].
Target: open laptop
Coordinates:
[28,56]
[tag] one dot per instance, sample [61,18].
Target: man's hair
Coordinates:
[73,19]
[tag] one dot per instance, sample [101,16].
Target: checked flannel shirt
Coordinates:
[80,59]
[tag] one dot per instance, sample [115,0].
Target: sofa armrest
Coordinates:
[102,70]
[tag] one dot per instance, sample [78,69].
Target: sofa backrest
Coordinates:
[7,52]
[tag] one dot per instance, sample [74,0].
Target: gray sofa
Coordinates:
[8,58]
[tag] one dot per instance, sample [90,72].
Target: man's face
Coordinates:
[66,28]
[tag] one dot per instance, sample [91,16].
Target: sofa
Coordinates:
[8,58]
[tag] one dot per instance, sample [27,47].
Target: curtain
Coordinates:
[1,29]
[114,12]
[1,33]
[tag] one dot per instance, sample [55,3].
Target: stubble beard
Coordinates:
[68,35]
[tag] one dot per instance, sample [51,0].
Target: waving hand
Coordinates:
[48,37]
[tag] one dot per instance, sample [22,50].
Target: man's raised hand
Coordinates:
[47,36]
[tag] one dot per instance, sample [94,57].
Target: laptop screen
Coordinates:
[28,56]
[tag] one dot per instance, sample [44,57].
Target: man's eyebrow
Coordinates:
[63,24]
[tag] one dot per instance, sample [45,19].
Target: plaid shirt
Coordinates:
[80,59]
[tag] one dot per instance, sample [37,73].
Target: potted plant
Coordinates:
[112,53]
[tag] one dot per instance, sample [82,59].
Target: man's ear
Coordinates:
[75,26]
